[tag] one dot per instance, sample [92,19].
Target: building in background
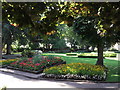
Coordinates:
[116,46]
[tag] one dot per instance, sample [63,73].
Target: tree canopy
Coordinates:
[101,30]
[97,23]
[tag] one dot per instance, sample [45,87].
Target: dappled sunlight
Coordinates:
[73,32]
[115,75]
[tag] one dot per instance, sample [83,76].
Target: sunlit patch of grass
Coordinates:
[115,75]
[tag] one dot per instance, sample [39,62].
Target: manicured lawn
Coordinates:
[17,53]
[112,65]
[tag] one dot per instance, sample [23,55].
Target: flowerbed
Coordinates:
[36,64]
[76,71]
[4,63]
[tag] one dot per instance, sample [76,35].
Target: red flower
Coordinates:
[14,63]
[32,65]
[42,62]
[42,66]
[29,58]
[48,60]
[57,57]
[24,64]
[37,64]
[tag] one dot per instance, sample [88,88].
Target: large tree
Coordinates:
[100,30]
[10,34]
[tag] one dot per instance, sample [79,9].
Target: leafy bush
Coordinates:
[110,54]
[71,54]
[87,55]
[95,55]
[112,49]
[117,51]
[4,88]
[28,53]
[50,52]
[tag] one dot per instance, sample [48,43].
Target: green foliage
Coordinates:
[51,57]
[95,54]
[37,58]
[88,54]
[28,53]
[110,54]
[4,88]
[60,44]
[10,34]
[85,27]
[96,30]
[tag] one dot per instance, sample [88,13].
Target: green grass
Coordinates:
[112,65]
[17,53]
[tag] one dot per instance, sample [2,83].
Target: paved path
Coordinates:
[12,56]
[16,81]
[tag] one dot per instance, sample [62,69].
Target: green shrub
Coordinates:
[95,55]
[4,88]
[71,54]
[37,58]
[88,55]
[110,54]
[28,53]
[50,52]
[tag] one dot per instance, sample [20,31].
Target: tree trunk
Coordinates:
[8,49]
[0,44]
[100,55]
[87,47]
[92,49]
[0,34]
